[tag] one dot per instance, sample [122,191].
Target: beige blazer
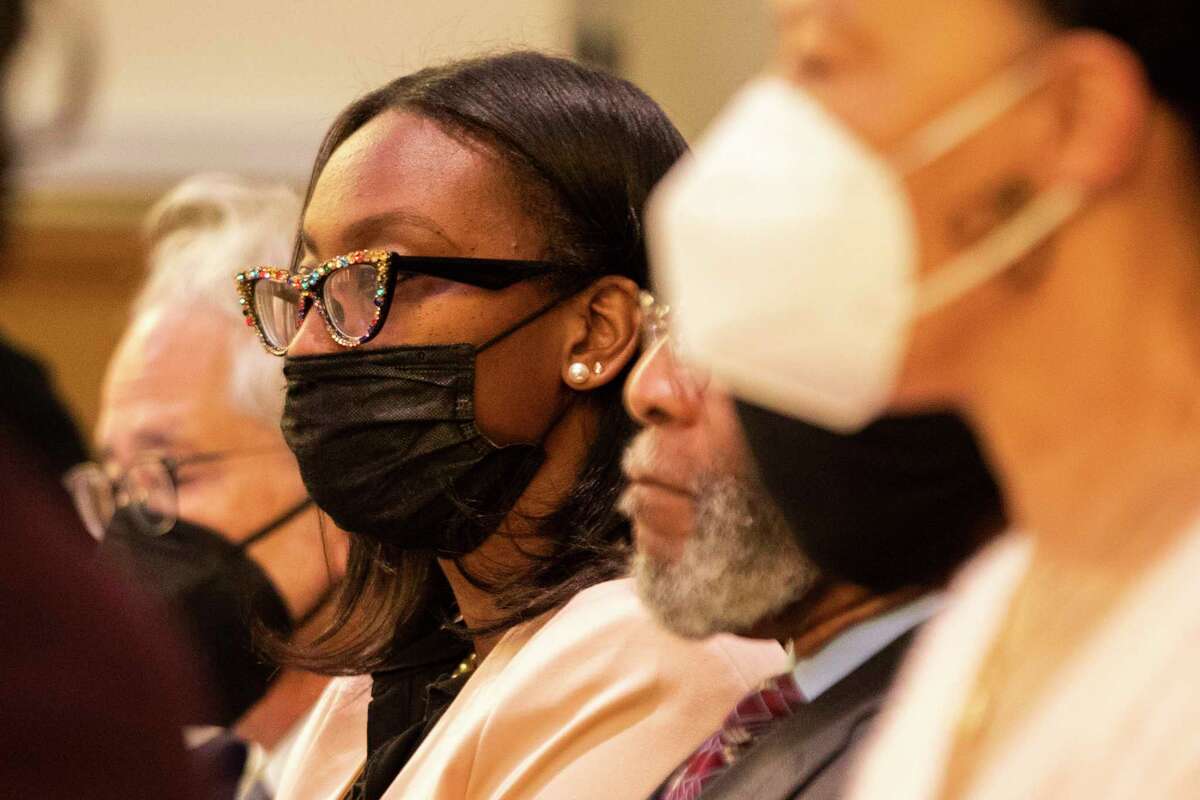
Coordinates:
[594,700]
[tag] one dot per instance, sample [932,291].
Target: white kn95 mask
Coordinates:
[790,248]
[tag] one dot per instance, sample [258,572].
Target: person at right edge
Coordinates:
[991,206]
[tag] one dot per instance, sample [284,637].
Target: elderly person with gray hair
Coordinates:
[195,491]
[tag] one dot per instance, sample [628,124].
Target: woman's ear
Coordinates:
[605,336]
[1104,100]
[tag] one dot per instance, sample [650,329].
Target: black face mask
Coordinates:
[902,502]
[388,447]
[217,593]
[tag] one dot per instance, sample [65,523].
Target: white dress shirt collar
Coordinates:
[856,646]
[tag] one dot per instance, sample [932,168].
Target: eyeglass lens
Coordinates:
[151,495]
[276,303]
[92,492]
[146,489]
[349,299]
[657,339]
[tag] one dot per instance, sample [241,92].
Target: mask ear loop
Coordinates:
[536,315]
[1019,235]
[1009,243]
[275,524]
[271,527]
[317,607]
[969,116]
[576,288]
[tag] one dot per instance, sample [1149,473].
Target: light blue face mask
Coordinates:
[794,248]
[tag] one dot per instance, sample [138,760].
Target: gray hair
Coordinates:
[198,236]
[740,566]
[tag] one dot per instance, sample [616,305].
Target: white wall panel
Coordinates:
[250,85]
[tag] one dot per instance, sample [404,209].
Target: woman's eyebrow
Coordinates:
[373,228]
[306,244]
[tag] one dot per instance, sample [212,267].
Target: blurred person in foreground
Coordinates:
[93,690]
[31,413]
[196,493]
[715,555]
[992,205]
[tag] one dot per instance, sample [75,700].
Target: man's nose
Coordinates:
[658,392]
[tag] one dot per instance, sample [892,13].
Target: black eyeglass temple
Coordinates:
[467,262]
[488,273]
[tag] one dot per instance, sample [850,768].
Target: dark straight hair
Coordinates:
[584,148]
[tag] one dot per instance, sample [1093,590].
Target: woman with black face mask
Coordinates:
[460,315]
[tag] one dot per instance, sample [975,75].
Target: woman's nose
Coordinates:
[312,338]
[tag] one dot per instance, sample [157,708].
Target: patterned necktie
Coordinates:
[750,719]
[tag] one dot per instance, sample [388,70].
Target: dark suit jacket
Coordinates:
[808,754]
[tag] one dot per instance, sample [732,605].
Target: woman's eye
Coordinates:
[814,67]
[412,287]
[814,51]
[818,63]
[403,278]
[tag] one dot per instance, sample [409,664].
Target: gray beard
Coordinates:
[740,566]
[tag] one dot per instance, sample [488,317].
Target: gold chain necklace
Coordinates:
[980,710]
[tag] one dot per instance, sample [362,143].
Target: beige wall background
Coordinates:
[244,86]
[690,55]
[249,86]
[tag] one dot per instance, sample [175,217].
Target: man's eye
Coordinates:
[186,473]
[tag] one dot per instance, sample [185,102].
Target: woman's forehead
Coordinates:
[402,175]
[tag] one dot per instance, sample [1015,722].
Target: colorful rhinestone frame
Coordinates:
[308,285]
[485,273]
[245,288]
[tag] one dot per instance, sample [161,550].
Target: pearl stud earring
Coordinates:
[578,372]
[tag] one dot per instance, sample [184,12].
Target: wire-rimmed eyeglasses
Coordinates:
[147,489]
[657,341]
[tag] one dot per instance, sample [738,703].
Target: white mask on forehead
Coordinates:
[793,247]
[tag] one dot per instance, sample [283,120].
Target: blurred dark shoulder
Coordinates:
[94,689]
[32,415]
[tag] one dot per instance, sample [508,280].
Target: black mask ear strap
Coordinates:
[536,315]
[318,606]
[275,524]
